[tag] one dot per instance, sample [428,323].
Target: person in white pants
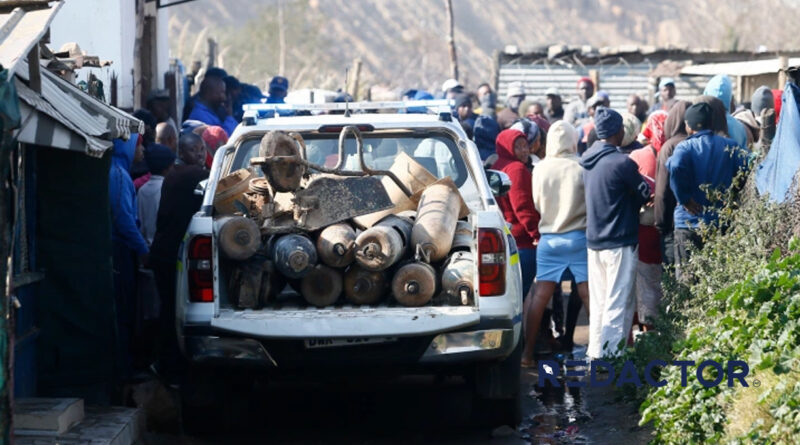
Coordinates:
[615,191]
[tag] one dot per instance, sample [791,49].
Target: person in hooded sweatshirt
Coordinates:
[558,195]
[664,200]
[513,152]
[703,159]
[127,243]
[615,191]
[484,133]
[720,87]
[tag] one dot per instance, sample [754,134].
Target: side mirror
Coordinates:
[499,182]
[200,189]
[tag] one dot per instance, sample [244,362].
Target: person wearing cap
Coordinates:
[278,89]
[703,160]
[554,109]
[666,95]
[508,115]
[614,191]
[577,112]
[160,160]
[209,107]
[451,88]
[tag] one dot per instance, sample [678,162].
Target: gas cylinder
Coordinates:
[463,236]
[284,176]
[321,286]
[293,255]
[458,276]
[414,284]
[336,245]
[239,237]
[437,215]
[382,245]
[362,286]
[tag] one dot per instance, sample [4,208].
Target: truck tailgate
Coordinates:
[345,321]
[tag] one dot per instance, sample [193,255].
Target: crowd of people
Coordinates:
[600,198]
[152,192]
[606,199]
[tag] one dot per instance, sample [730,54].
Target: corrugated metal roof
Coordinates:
[619,80]
[68,109]
[750,68]
[20,30]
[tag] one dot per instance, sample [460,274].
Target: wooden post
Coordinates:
[212,53]
[451,41]
[34,69]
[281,41]
[782,75]
[595,76]
[353,87]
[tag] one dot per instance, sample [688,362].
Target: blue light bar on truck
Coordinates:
[341,106]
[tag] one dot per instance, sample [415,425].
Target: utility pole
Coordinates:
[451,41]
[281,41]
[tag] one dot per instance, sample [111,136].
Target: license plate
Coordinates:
[314,343]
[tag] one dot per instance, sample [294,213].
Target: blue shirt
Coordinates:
[202,113]
[702,159]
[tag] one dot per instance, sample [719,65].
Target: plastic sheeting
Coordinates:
[776,174]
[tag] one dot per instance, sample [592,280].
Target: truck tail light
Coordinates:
[201,270]
[491,262]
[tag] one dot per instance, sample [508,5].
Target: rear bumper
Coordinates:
[492,339]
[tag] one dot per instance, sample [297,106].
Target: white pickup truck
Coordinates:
[480,340]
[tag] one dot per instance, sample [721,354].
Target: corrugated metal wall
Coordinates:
[620,80]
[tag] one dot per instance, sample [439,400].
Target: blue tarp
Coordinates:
[775,175]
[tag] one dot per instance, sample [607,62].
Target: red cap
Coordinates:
[585,79]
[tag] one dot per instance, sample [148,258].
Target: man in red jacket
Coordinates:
[513,154]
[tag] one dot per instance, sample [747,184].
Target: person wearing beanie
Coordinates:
[614,192]
[160,160]
[513,154]
[558,196]
[463,109]
[703,160]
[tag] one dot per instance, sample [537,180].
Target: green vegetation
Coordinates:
[742,302]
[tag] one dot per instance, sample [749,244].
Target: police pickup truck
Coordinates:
[480,340]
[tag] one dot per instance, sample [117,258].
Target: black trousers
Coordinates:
[686,241]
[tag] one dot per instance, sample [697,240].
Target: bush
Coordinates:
[742,303]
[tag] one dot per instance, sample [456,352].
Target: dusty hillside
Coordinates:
[402,43]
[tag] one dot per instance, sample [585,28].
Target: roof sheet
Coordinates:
[20,30]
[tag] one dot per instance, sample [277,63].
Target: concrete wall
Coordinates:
[107,29]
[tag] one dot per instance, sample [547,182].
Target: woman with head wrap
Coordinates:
[534,135]
[558,194]
[214,137]
[648,270]
[664,201]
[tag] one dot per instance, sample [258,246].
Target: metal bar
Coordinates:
[160,5]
